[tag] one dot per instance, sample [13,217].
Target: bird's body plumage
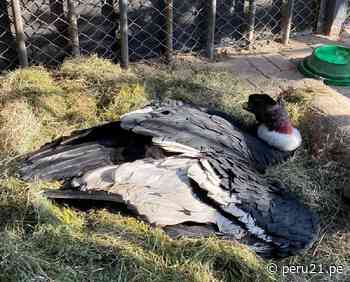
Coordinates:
[173,164]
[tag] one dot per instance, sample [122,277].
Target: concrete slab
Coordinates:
[239,66]
[264,66]
[280,62]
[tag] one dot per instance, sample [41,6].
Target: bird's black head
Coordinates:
[263,107]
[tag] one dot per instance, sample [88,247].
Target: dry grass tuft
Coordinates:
[19,128]
[125,99]
[30,82]
[52,106]
[82,109]
[94,70]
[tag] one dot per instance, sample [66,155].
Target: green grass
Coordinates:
[44,241]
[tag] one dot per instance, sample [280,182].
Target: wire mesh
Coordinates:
[46,31]
[146,29]
[190,25]
[46,27]
[231,23]
[268,19]
[305,15]
[98,24]
[8,56]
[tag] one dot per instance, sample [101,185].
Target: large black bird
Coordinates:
[188,170]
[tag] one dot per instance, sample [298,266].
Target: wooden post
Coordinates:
[287,22]
[335,17]
[123,6]
[252,14]
[21,45]
[73,28]
[169,18]
[211,29]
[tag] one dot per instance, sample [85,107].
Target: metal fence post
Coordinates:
[21,45]
[211,29]
[73,28]
[169,17]
[287,22]
[123,6]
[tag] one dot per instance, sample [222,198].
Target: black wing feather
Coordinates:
[84,150]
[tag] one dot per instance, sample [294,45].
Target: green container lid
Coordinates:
[333,54]
[330,63]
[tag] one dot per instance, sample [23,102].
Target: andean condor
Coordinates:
[173,164]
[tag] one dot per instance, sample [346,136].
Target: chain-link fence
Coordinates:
[46,27]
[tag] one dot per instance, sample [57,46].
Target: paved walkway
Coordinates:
[266,69]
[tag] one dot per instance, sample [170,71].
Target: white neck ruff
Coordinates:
[281,141]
